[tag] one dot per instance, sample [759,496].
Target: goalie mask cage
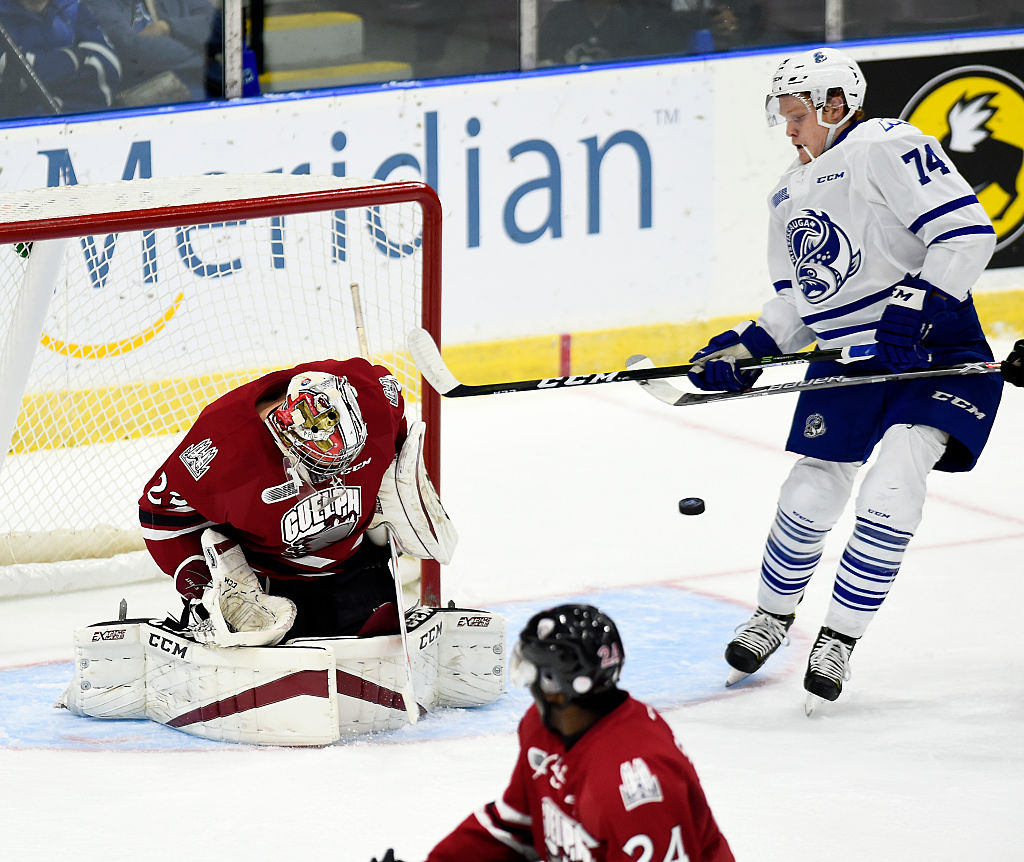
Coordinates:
[127,307]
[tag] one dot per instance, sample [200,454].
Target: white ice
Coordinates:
[573,492]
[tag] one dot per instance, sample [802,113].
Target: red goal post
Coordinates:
[126,307]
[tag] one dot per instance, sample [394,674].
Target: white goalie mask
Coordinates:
[319,425]
[810,76]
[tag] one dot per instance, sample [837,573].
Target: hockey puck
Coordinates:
[691,506]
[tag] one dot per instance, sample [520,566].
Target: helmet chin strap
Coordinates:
[833,130]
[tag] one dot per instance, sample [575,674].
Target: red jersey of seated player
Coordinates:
[624,791]
[229,473]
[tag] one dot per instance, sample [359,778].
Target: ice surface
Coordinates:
[573,494]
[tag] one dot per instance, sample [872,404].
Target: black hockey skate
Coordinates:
[828,667]
[755,641]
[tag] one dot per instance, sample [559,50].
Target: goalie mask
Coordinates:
[319,425]
[572,650]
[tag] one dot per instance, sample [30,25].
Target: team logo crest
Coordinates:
[977,113]
[814,426]
[639,784]
[391,388]
[321,519]
[197,458]
[822,255]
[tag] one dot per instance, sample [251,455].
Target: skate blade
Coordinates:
[811,703]
[734,677]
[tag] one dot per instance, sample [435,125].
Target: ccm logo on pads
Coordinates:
[175,648]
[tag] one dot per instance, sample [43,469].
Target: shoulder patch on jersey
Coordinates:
[780,196]
[197,457]
[391,388]
[887,125]
[639,784]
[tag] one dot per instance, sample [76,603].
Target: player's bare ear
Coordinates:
[836,105]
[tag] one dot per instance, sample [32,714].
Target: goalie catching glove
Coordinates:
[237,611]
[408,506]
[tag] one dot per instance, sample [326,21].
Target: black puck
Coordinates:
[691,505]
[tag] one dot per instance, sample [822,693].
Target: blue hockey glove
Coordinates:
[716,363]
[904,323]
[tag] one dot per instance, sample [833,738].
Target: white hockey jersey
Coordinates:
[883,201]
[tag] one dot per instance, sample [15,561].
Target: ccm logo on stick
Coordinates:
[576,380]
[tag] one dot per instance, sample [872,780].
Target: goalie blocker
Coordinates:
[408,504]
[306,692]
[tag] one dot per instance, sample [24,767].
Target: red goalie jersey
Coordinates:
[624,791]
[228,472]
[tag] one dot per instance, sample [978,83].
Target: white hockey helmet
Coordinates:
[319,425]
[816,73]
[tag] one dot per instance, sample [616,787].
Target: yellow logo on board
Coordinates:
[977,113]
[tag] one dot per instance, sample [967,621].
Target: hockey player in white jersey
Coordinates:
[874,237]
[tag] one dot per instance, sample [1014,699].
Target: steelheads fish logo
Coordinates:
[977,113]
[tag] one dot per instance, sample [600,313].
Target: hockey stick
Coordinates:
[412,708]
[428,359]
[31,77]
[357,308]
[669,394]
[408,690]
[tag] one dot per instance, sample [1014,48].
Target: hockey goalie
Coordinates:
[280,517]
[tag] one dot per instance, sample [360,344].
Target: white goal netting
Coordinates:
[160,295]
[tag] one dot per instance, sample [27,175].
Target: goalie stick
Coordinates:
[669,394]
[428,359]
[408,690]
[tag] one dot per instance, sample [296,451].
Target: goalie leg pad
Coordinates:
[410,507]
[306,692]
[259,696]
[471,658]
[370,677]
[110,672]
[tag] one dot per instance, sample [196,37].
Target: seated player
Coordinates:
[58,54]
[296,479]
[599,774]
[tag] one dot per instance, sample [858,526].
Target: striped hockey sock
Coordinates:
[790,556]
[866,572]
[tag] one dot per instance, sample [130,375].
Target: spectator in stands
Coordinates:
[159,36]
[59,58]
[719,25]
[590,31]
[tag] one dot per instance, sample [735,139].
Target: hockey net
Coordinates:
[127,307]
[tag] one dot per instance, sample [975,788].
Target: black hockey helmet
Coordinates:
[571,650]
